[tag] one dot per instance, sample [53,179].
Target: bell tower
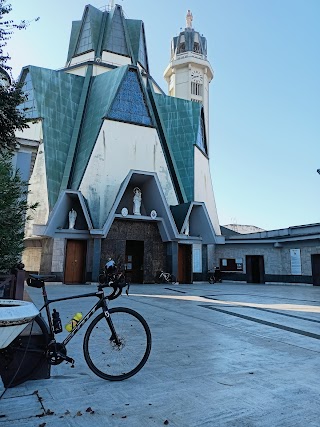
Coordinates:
[189,72]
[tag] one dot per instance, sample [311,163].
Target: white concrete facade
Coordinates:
[119,148]
[203,188]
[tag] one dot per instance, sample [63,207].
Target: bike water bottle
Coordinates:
[56,321]
[73,322]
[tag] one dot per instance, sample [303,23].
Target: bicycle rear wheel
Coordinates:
[117,362]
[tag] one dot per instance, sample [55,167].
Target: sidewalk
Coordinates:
[226,355]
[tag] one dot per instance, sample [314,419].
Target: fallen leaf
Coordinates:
[166,422]
[78,414]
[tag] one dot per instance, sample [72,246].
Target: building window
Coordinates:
[197,258]
[182,48]
[196,89]
[85,42]
[196,47]
[129,104]
[231,264]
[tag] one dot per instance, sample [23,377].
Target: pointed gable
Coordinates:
[29,107]
[130,103]
[115,39]
[100,97]
[56,96]
[88,35]
[85,42]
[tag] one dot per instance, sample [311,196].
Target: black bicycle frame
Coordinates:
[100,304]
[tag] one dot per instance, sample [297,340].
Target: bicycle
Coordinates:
[116,345]
[163,277]
[213,277]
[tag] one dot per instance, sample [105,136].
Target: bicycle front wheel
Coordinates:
[112,361]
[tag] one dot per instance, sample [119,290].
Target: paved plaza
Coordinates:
[229,355]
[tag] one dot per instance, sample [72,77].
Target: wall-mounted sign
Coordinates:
[295,257]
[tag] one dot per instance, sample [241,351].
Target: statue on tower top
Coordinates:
[189,19]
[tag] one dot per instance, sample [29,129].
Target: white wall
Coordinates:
[38,192]
[33,133]
[119,148]
[203,189]
[113,58]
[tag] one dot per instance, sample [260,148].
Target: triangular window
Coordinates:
[129,104]
[85,41]
[142,58]
[117,39]
[201,138]
[29,107]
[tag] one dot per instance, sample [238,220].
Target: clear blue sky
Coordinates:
[264,99]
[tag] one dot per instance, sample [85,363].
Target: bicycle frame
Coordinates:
[100,304]
[166,276]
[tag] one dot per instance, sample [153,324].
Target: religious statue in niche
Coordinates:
[72,218]
[137,201]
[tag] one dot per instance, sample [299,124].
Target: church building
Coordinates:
[119,168]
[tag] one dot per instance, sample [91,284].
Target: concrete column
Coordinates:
[172,258]
[96,259]
[204,262]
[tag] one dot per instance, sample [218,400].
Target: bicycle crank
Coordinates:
[57,353]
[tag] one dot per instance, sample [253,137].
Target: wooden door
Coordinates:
[75,261]
[315,263]
[185,264]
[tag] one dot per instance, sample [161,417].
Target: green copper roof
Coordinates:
[102,92]
[108,31]
[57,96]
[180,120]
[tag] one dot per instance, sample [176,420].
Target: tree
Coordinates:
[13,213]
[11,118]
[13,200]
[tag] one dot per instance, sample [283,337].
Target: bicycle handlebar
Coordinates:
[117,289]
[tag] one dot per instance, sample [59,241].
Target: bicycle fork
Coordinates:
[114,337]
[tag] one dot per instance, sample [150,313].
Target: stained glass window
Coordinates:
[201,139]
[129,104]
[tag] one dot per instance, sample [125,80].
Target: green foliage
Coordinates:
[11,119]
[13,191]
[13,213]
